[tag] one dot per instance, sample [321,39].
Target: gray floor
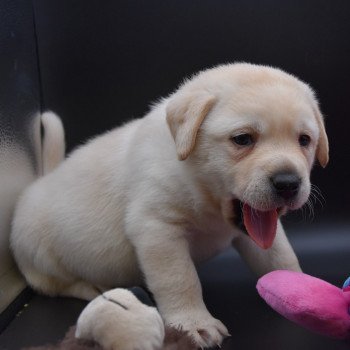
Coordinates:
[229,292]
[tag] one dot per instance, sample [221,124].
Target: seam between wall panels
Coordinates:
[41,91]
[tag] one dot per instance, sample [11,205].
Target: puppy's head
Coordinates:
[250,133]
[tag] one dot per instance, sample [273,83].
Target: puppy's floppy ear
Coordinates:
[184,114]
[322,151]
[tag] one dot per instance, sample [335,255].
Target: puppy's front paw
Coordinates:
[204,330]
[117,320]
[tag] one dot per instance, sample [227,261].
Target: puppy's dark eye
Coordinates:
[243,140]
[304,140]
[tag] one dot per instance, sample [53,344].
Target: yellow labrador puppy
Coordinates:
[151,199]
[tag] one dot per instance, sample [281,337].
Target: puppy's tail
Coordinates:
[53,149]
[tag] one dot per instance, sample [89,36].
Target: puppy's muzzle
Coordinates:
[286,185]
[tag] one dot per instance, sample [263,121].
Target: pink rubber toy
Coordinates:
[308,301]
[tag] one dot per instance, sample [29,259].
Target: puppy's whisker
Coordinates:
[311,213]
[311,210]
[317,190]
[317,195]
[303,214]
[316,200]
[308,207]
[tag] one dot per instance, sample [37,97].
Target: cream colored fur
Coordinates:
[123,209]
[118,320]
[53,143]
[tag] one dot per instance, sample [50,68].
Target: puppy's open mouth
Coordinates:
[261,226]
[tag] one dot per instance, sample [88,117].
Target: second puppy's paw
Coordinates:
[117,320]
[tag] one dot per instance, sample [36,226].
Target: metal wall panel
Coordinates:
[19,126]
[103,63]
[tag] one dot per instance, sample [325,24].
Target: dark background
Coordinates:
[19,80]
[103,63]
[100,63]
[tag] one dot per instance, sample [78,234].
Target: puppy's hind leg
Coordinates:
[52,286]
[81,290]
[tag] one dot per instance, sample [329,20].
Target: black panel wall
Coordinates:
[19,87]
[19,132]
[103,62]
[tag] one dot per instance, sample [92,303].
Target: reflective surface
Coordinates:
[19,128]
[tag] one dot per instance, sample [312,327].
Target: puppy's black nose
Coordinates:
[286,185]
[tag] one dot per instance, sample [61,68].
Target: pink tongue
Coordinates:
[261,225]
